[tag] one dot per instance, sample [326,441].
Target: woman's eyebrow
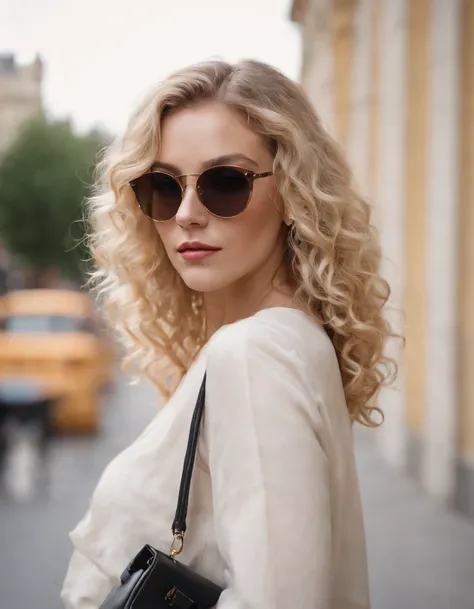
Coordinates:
[166,167]
[219,160]
[230,158]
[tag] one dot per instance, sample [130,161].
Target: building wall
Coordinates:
[389,197]
[317,64]
[465,422]
[402,103]
[374,28]
[342,29]
[20,96]
[360,80]
[442,398]
[418,61]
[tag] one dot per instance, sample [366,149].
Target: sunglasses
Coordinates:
[224,191]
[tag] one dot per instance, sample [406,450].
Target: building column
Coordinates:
[420,18]
[359,128]
[442,254]
[343,17]
[374,100]
[317,65]
[465,425]
[390,198]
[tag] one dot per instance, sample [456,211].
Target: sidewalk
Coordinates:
[420,556]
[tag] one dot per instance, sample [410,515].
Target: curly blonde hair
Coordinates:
[333,248]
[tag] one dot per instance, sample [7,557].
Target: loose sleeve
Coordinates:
[270,478]
[85,586]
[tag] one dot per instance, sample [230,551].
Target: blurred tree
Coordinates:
[44,178]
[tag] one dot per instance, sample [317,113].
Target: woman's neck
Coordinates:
[263,289]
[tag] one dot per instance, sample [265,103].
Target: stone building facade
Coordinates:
[394,81]
[20,96]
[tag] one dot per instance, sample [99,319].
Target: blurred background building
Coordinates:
[394,80]
[20,101]
[20,96]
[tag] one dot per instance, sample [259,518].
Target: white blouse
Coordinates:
[274,515]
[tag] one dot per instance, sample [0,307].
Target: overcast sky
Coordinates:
[102,55]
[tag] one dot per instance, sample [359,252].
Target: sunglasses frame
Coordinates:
[250,176]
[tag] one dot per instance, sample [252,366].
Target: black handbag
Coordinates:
[154,580]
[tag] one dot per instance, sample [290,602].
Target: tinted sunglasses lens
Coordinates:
[225,191]
[158,194]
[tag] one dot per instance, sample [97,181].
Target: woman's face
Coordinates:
[191,139]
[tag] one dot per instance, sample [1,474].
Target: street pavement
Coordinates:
[420,557]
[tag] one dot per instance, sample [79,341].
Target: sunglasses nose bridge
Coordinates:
[191,206]
[185,182]
[186,187]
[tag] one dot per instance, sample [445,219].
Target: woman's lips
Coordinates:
[197,254]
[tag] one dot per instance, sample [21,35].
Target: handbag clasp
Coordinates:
[177,544]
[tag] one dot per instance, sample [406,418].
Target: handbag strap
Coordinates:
[179,522]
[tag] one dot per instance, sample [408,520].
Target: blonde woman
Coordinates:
[229,240]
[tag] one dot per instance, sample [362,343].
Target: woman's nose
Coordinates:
[191,211]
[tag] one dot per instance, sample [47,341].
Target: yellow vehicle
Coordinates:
[51,336]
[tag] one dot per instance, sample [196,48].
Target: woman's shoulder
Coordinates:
[273,332]
[278,355]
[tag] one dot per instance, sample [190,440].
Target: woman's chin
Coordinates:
[204,280]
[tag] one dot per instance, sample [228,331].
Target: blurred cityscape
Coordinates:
[393,80]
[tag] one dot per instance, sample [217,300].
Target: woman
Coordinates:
[229,240]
